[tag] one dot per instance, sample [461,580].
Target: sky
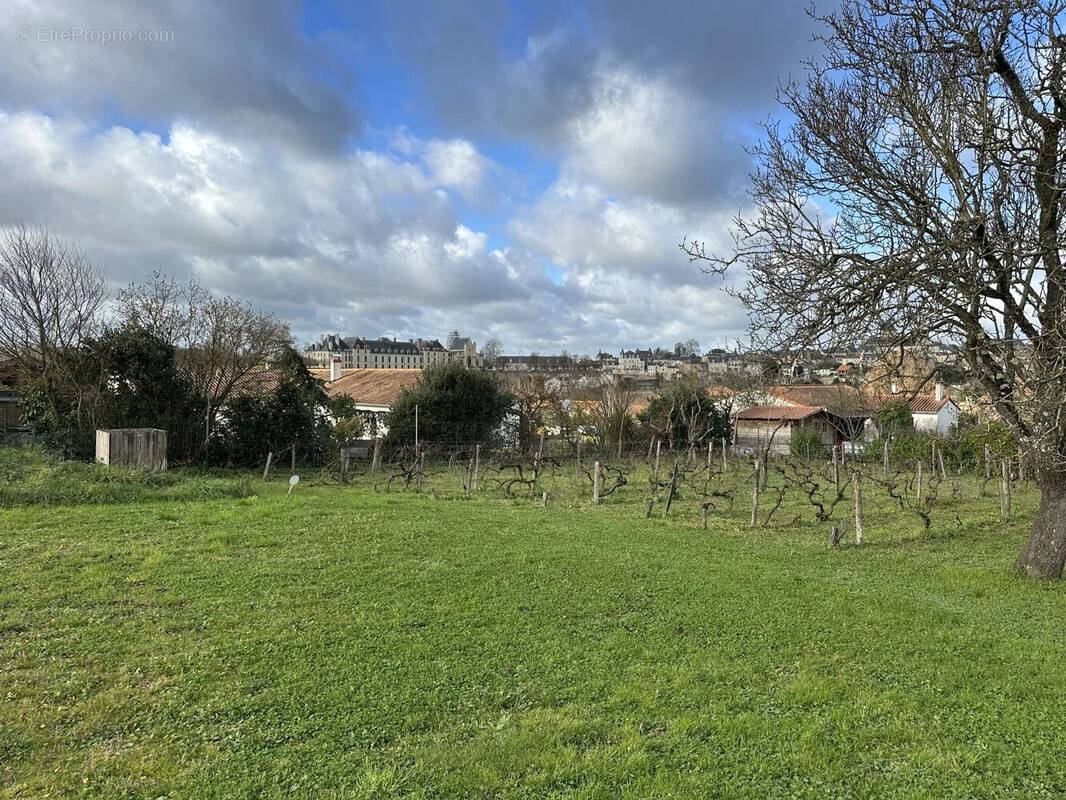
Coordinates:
[522,171]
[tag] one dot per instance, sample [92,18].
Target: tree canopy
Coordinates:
[455,405]
[917,191]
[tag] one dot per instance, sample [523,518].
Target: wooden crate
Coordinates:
[145,448]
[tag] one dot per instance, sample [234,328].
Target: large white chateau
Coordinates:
[357,352]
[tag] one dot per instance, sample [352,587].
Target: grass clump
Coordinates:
[30,476]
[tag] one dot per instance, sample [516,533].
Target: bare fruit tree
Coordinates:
[220,342]
[918,195]
[50,296]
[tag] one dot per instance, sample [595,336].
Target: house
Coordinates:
[357,352]
[772,426]
[634,361]
[373,390]
[937,413]
[838,412]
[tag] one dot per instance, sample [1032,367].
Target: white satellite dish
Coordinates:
[295,479]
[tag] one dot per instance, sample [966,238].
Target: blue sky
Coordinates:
[521,171]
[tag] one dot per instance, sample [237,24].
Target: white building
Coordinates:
[936,413]
[358,352]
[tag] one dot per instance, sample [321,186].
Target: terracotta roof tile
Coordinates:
[780,413]
[928,404]
[836,398]
[374,387]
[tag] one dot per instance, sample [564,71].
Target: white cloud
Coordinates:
[312,236]
[456,164]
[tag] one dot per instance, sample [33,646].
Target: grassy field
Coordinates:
[347,642]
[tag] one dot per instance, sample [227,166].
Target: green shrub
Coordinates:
[807,443]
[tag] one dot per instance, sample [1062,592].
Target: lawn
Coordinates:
[348,642]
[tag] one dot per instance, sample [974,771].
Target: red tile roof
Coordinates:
[779,413]
[928,404]
[836,398]
[373,387]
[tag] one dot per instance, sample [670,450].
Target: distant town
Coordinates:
[648,365]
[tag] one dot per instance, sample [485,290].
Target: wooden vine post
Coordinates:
[1004,489]
[375,463]
[856,491]
[755,496]
[673,490]
[596,482]
[918,478]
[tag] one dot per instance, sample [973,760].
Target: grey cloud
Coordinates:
[240,67]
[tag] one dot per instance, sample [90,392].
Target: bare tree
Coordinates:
[610,410]
[491,350]
[918,194]
[220,341]
[50,299]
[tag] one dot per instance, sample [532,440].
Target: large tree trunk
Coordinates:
[1045,553]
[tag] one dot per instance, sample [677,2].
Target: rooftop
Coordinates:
[780,413]
[373,387]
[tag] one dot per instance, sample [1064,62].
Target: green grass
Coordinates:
[29,476]
[346,642]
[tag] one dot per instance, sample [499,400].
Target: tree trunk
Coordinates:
[1045,553]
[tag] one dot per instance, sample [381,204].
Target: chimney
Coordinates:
[939,391]
[334,368]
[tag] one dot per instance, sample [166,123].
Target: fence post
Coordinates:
[658,449]
[673,490]
[577,464]
[918,501]
[596,482]
[344,465]
[836,469]
[856,490]
[725,462]
[294,458]
[266,469]
[375,463]
[710,451]
[469,476]
[1004,489]
[885,457]
[755,497]
[477,465]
